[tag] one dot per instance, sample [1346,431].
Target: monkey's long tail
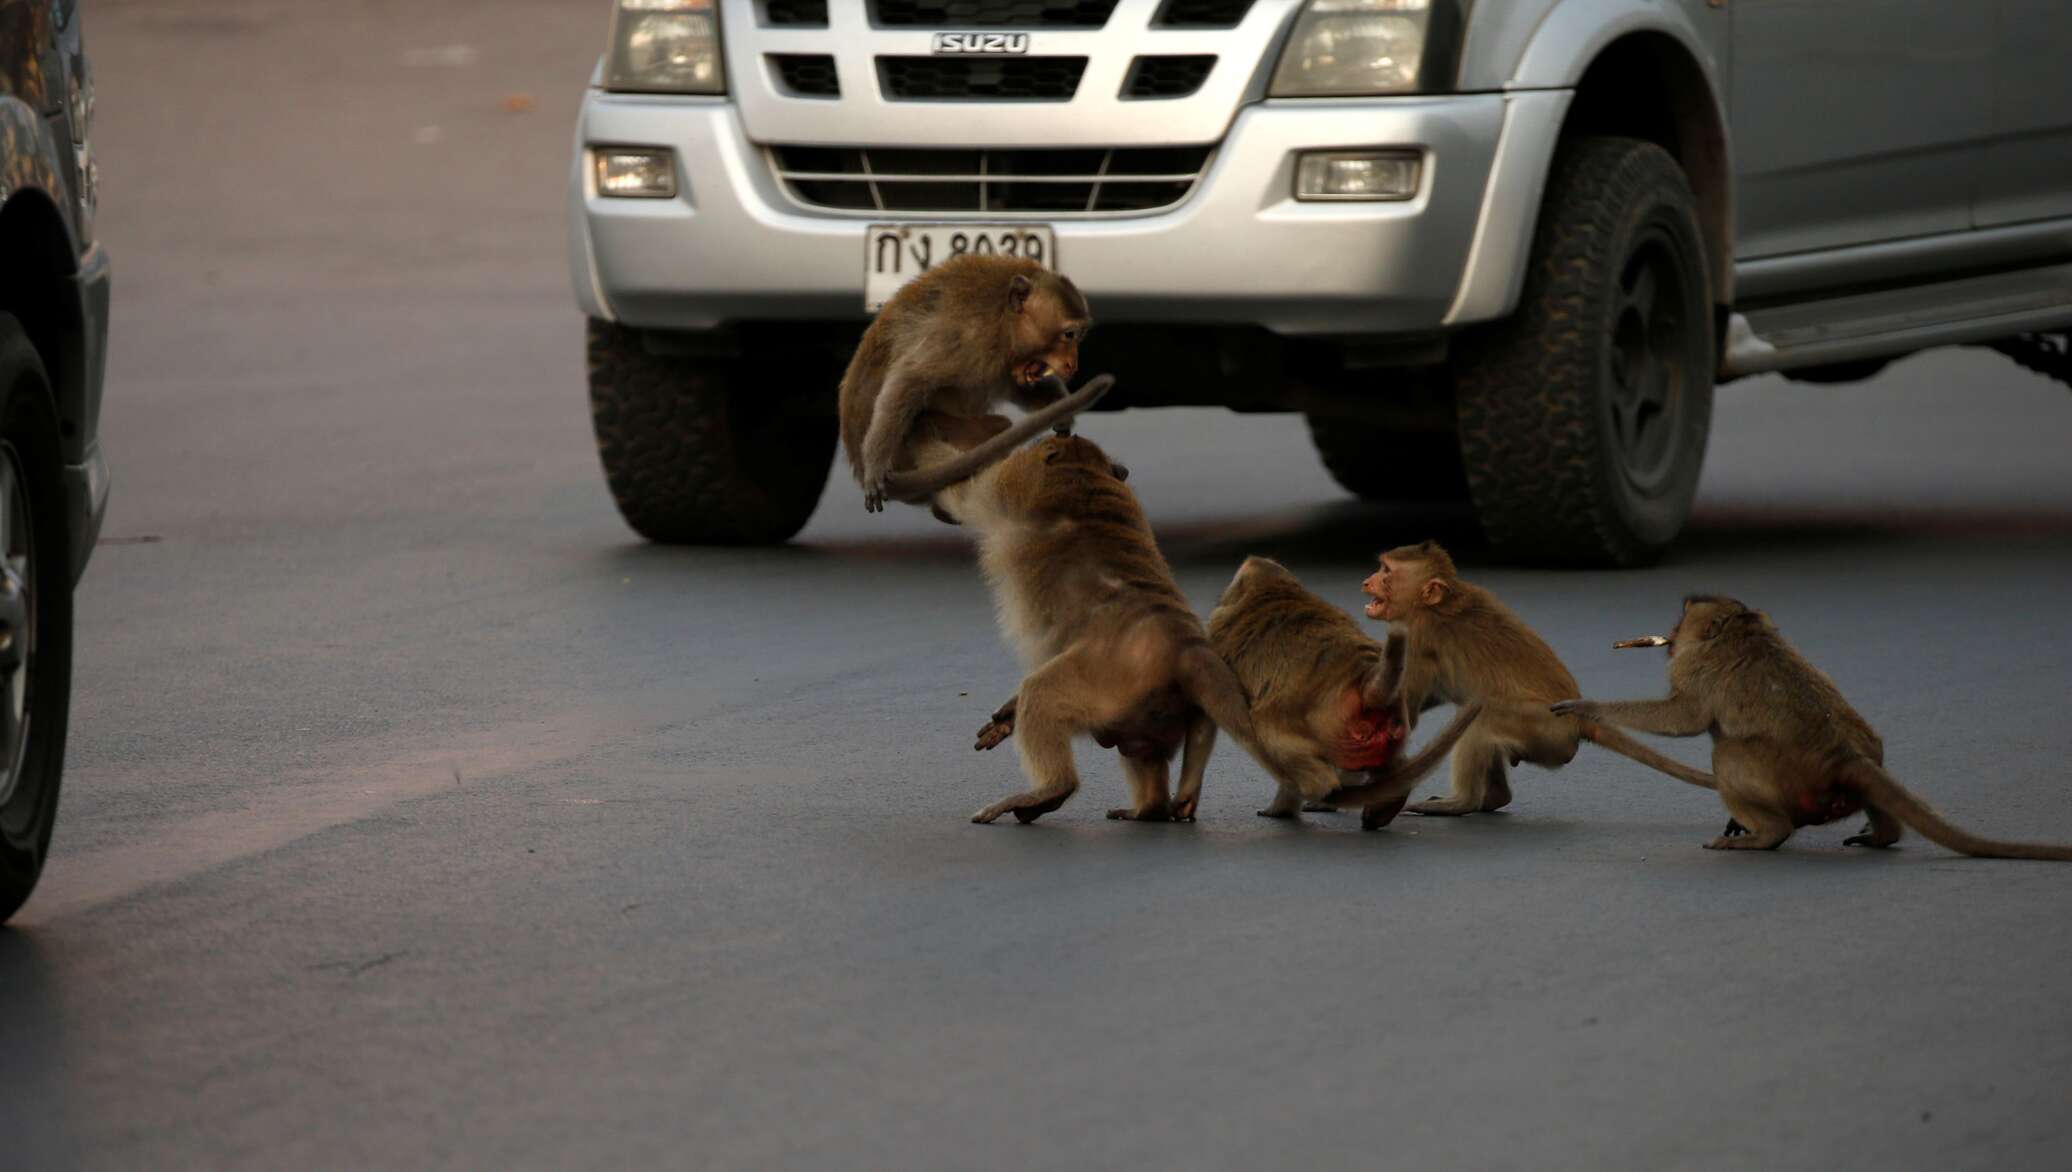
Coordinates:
[1882,790]
[918,484]
[1625,746]
[1210,685]
[1386,785]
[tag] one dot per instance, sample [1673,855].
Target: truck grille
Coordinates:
[992,13]
[1024,79]
[809,75]
[1167,77]
[1202,13]
[796,13]
[1051,183]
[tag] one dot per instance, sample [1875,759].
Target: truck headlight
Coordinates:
[665,47]
[1350,47]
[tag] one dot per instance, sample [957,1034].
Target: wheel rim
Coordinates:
[1649,352]
[17,618]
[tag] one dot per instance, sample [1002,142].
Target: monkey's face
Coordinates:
[1046,337]
[1391,590]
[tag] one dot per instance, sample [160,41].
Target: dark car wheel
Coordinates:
[35,618]
[1584,414]
[1380,464]
[696,451]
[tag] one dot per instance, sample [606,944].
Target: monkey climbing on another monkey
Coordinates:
[1328,713]
[1465,647]
[1113,648]
[958,340]
[1787,749]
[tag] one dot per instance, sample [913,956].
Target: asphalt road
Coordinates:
[417,815]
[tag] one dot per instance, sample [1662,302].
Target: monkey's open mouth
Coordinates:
[1378,608]
[1032,373]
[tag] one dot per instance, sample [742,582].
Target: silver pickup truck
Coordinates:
[1499,250]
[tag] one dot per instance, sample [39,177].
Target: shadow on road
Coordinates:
[37,1129]
[1353,532]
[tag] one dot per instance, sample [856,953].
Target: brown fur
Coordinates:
[963,337]
[1114,649]
[1319,686]
[1787,749]
[1467,647]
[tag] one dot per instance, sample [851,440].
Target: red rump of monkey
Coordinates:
[1372,735]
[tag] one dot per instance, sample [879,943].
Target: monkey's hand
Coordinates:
[874,496]
[1583,708]
[993,732]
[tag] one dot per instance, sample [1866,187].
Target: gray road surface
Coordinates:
[419,816]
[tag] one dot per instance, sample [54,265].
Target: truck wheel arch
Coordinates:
[1597,67]
[39,290]
[1649,85]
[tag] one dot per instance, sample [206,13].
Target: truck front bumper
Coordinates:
[733,245]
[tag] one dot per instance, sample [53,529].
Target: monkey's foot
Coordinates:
[991,734]
[1869,839]
[1183,809]
[1316,807]
[1156,813]
[1743,842]
[1275,812]
[1734,829]
[1444,807]
[1024,808]
[874,498]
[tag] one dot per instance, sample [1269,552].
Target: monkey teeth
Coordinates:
[1643,641]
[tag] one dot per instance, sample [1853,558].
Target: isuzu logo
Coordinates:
[980,44]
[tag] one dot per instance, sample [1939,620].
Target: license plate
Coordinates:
[894,254]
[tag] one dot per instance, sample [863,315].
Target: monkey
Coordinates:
[1113,649]
[1787,749]
[966,335]
[1328,711]
[1467,647]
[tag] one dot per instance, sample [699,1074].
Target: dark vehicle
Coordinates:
[53,349]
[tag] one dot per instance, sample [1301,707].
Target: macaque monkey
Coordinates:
[1328,713]
[959,339]
[1787,750]
[1466,647]
[1113,648]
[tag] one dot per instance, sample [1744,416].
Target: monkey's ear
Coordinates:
[1433,593]
[1118,471]
[1018,289]
[1051,453]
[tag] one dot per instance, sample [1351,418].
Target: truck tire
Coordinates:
[1584,414]
[1380,464]
[696,453]
[36,614]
